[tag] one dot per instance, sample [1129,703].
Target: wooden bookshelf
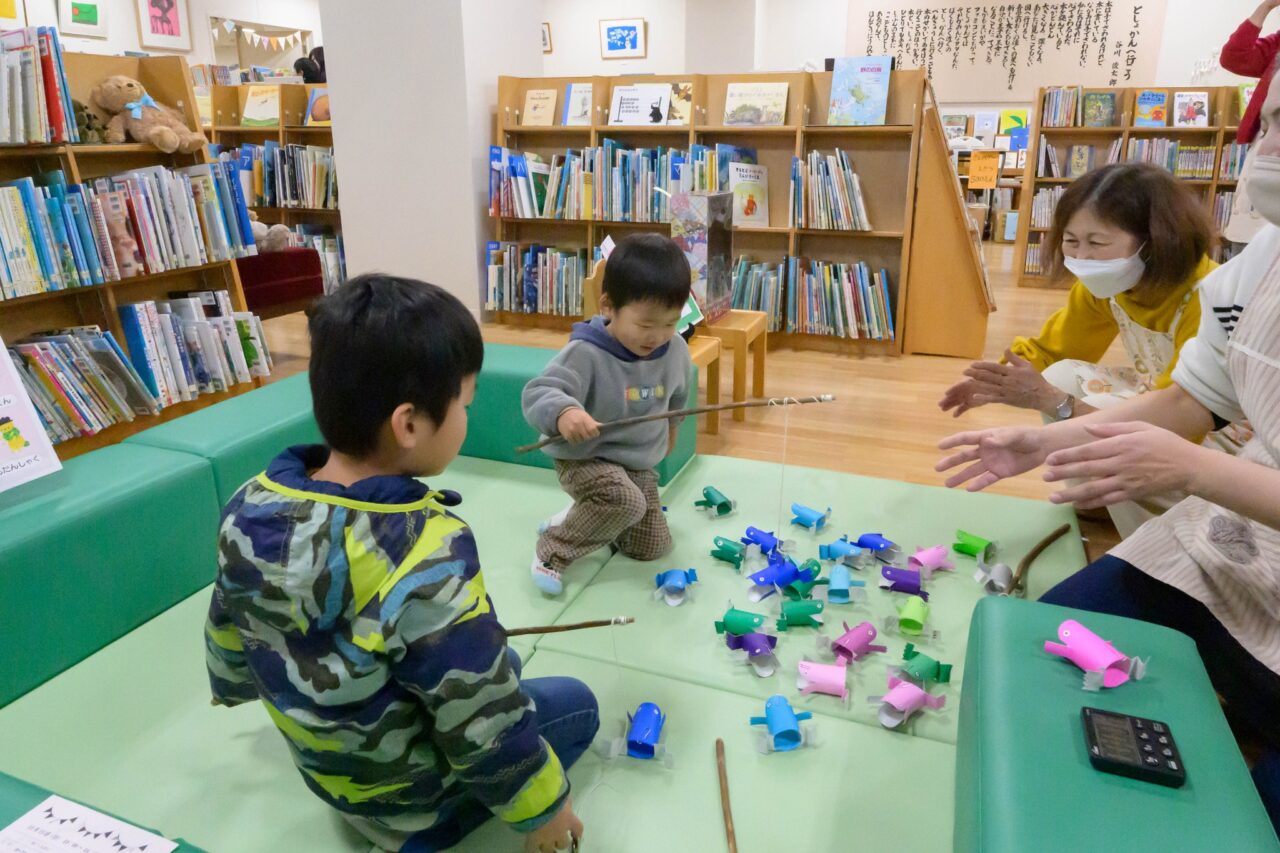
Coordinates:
[1221,132]
[167,80]
[228,106]
[938,287]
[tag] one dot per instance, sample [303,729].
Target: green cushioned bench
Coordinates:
[241,435]
[91,552]
[1023,777]
[497,425]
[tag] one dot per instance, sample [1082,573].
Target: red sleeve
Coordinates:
[1247,54]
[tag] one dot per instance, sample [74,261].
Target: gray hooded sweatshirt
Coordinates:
[597,373]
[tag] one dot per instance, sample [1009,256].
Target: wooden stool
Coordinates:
[705,352]
[739,331]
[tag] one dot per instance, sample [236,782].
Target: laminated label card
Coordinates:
[61,825]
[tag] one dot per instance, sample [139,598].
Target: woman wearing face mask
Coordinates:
[1210,566]
[1135,241]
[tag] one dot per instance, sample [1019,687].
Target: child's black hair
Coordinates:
[647,268]
[380,341]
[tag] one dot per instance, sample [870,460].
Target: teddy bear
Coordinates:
[91,126]
[268,238]
[131,109]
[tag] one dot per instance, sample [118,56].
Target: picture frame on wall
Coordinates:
[546,36]
[164,24]
[623,38]
[84,18]
[13,13]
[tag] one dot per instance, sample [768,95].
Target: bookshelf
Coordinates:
[1217,138]
[228,104]
[938,285]
[166,79]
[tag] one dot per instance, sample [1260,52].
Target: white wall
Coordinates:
[575,36]
[720,36]
[791,33]
[1192,37]
[122,22]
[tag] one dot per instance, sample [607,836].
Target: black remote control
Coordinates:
[1132,746]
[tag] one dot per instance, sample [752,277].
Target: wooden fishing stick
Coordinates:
[576,626]
[1025,564]
[700,410]
[724,797]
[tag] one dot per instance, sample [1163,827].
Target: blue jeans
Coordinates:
[568,720]
[1250,689]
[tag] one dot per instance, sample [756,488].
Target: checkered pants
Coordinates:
[612,505]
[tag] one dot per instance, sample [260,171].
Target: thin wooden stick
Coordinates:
[1025,564]
[700,410]
[724,797]
[576,626]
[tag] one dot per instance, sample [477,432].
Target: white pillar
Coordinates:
[411,129]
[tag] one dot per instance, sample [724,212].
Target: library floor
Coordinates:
[885,421]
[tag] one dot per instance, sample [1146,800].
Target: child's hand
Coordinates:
[576,425]
[556,834]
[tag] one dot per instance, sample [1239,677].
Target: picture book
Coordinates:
[749,184]
[646,103]
[204,105]
[1080,160]
[261,107]
[318,108]
[1152,108]
[1100,109]
[1010,119]
[859,90]
[1190,109]
[577,105]
[25,450]
[956,125]
[985,125]
[755,104]
[725,155]
[539,108]
[681,111]
[1246,94]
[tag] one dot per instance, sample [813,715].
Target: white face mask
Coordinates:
[1264,187]
[1105,279]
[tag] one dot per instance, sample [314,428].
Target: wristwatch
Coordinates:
[1064,410]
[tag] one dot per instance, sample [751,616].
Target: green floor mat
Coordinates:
[859,789]
[682,643]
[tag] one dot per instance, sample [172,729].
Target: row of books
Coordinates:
[328,244]
[1185,161]
[215,75]
[275,175]
[81,381]
[814,297]
[1031,266]
[1222,209]
[1232,165]
[56,235]
[1063,106]
[35,101]
[534,279]
[1043,204]
[1081,159]
[826,193]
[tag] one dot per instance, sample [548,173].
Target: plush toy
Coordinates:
[92,128]
[133,111]
[268,238]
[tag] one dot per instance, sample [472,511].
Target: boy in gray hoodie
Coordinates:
[627,362]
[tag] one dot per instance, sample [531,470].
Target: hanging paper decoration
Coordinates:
[229,26]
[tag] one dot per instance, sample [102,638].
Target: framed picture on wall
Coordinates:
[546,37]
[164,24]
[623,38]
[86,18]
[13,13]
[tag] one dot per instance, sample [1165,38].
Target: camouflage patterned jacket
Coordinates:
[359,617]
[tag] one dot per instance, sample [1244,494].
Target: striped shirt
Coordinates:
[358,616]
[1229,562]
